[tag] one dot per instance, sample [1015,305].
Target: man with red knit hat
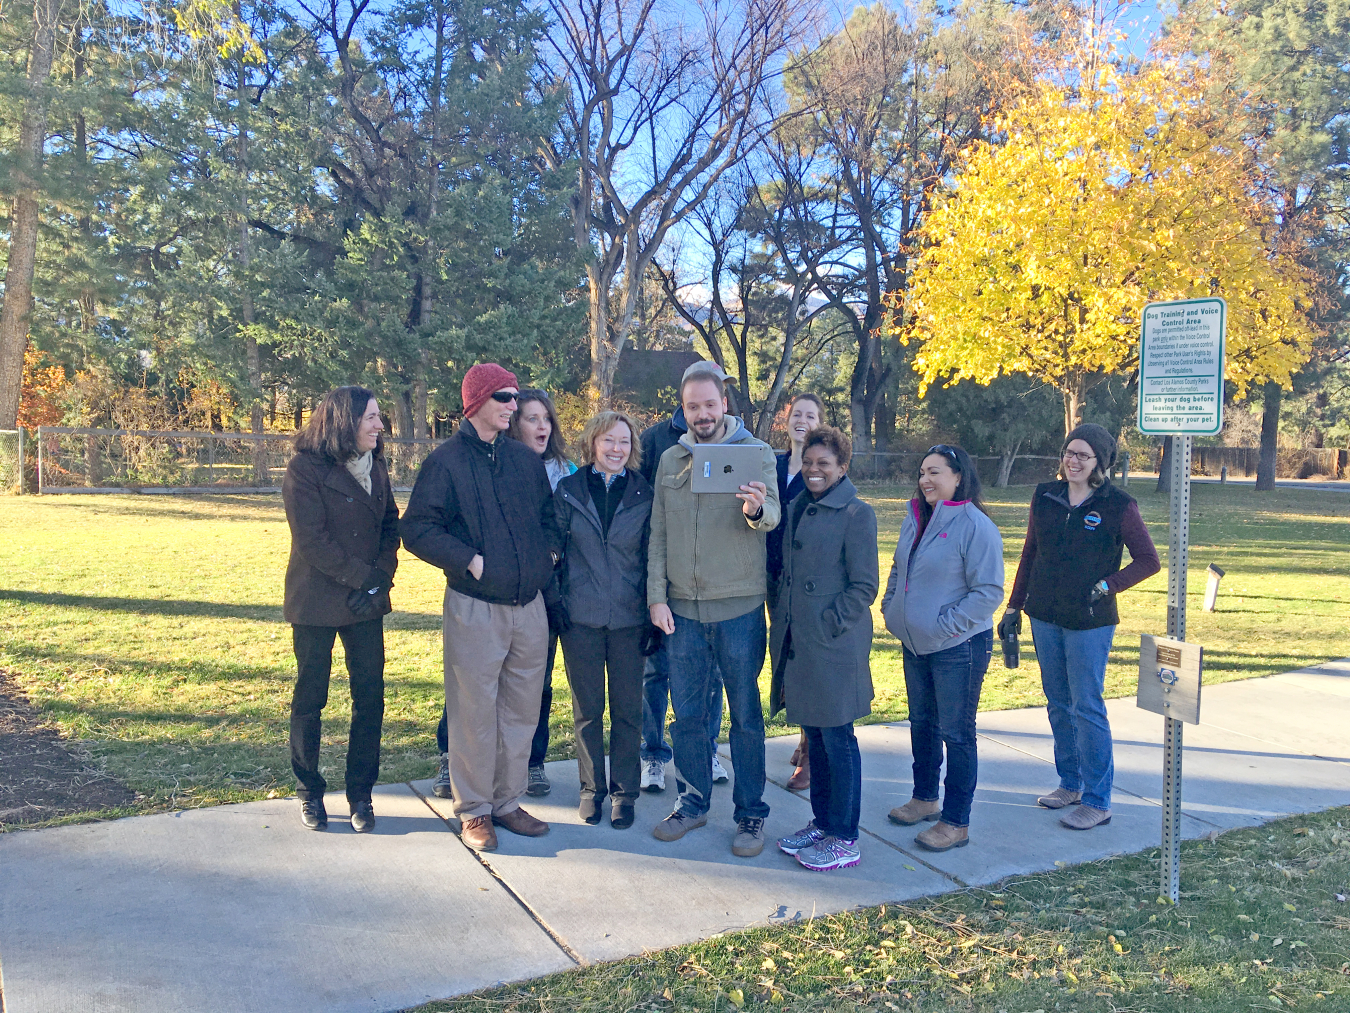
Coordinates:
[482,510]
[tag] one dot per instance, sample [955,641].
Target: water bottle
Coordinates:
[1011,654]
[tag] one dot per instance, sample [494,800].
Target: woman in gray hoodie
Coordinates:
[945,583]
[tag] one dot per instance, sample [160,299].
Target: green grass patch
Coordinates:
[1259,926]
[150,629]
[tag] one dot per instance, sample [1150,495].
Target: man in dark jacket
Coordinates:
[482,510]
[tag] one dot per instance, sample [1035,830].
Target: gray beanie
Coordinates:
[1103,444]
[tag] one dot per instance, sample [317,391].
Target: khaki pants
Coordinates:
[494,675]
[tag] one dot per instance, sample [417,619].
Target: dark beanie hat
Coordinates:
[1103,444]
[480,382]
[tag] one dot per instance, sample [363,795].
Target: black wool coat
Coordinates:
[821,640]
[338,531]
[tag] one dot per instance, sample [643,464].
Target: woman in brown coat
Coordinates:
[344,550]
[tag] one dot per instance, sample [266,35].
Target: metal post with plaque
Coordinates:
[1181,363]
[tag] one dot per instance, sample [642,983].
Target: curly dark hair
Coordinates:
[331,429]
[832,440]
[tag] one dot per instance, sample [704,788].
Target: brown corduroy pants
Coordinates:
[494,675]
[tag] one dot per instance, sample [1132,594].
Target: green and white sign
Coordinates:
[1181,357]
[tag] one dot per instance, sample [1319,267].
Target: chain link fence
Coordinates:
[71,460]
[11,460]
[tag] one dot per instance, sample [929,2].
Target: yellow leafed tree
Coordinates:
[1108,191]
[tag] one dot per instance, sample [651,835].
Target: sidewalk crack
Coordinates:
[535,916]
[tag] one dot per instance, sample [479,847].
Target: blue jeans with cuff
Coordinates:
[1073,675]
[944,693]
[694,652]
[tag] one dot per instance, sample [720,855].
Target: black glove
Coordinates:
[651,640]
[559,621]
[372,593]
[1010,624]
[1098,592]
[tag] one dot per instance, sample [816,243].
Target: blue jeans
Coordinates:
[836,779]
[944,693]
[655,697]
[695,651]
[1073,674]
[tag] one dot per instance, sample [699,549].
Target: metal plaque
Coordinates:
[1169,678]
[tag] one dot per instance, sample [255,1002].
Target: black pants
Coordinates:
[539,744]
[364,646]
[589,651]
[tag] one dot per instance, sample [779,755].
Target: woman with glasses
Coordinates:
[945,583]
[534,424]
[1067,581]
[806,411]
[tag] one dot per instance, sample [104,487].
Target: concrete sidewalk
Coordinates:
[240,908]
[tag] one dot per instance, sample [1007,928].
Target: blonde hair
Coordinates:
[599,424]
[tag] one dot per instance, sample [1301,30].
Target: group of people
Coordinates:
[657,595]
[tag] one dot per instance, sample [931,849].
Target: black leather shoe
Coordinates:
[313,814]
[621,816]
[363,817]
[590,810]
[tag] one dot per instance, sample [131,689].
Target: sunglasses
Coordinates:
[503,396]
[944,450]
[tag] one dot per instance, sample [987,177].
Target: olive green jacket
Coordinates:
[703,546]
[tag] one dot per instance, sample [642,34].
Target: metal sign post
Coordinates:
[1181,364]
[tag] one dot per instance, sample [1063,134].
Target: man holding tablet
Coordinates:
[705,588]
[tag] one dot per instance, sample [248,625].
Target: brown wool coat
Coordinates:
[338,531]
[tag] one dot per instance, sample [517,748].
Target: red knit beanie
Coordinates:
[480,382]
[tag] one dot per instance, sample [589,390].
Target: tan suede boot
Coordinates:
[916,810]
[943,837]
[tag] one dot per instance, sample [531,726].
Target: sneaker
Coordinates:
[916,810]
[720,775]
[802,839]
[441,786]
[830,853]
[313,814]
[749,839]
[677,824]
[654,775]
[1059,798]
[1085,817]
[538,782]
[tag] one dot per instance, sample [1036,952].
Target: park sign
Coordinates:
[1181,360]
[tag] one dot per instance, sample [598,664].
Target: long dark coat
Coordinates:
[338,531]
[830,579]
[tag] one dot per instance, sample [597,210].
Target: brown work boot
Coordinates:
[800,779]
[1085,817]
[518,821]
[1059,798]
[916,810]
[943,837]
[477,833]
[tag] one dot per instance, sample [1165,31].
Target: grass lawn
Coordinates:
[149,628]
[1262,924]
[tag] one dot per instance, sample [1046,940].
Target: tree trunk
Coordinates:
[16,314]
[604,361]
[1270,432]
[1005,464]
[252,356]
[1073,405]
[1165,468]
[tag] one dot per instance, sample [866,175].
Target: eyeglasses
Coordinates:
[1073,455]
[503,396]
